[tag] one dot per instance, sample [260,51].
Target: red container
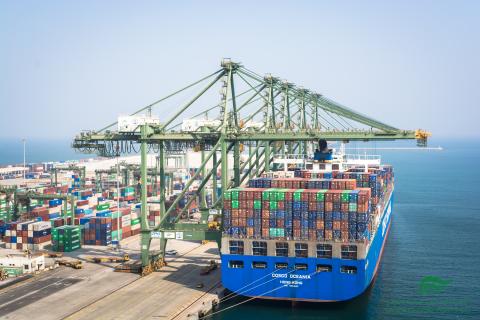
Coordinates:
[265,223]
[296,233]
[320,224]
[265,233]
[328,206]
[328,234]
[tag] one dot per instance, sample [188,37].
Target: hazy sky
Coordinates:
[72,65]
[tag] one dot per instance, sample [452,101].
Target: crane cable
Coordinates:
[235,305]
[242,292]
[250,299]
[249,284]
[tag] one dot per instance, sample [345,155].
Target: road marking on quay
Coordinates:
[125,285]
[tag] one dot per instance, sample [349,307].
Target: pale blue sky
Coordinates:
[73,65]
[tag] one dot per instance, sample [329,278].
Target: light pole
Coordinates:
[24,141]
[118,199]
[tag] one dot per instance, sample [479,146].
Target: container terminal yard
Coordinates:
[136,231]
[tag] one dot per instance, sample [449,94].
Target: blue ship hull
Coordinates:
[307,285]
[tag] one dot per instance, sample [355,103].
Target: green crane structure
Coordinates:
[265,114]
[132,170]
[9,192]
[80,169]
[25,196]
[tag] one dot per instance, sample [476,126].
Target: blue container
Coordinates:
[361,227]
[328,225]
[320,234]
[362,217]
[337,234]
[352,235]
[328,216]
[320,207]
[53,215]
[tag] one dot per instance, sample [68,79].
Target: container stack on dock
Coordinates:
[127,194]
[27,235]
[3,208]
[109,224]
[66,238]
[312,207]
[95,214]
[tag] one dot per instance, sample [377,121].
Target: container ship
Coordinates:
[309,230]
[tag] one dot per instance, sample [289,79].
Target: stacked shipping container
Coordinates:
[27,235]
[66,238]
[314,206]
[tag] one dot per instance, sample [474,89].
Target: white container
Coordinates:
[41,225]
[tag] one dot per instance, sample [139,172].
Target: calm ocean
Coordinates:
[431,264]
[37,150]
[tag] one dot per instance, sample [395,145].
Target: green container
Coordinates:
[273,194]
[116,214]
[352,207]
[235,204]
[321,195]
[277,232]
[266,195]
[273,205]
[135,221]
[345,195]
[257,204]
[235,193]
[66,238]
[12,271]
[281,195]
[227,195]
[129,189]
[117,233]
[297,195]
[103,206]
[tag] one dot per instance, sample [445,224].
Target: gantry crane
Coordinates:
[265,114]
[132,170]
[26,196]
[80,169]
[9,192]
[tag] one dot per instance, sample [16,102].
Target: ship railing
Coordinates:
[291,156]
[364,157]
